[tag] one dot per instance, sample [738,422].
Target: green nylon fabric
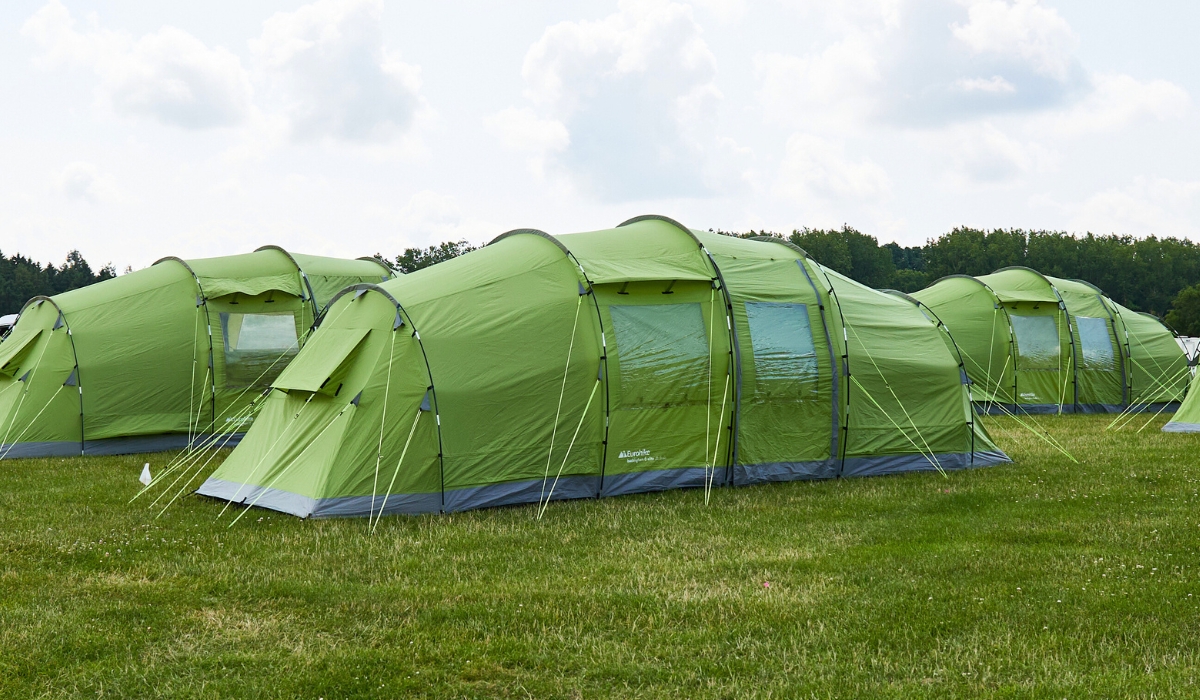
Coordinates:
[1158,368]
[1106,355]
[980,327]
[318,366]
[142,343]
[1189,410]
[907,387]
[781,421]
[486,343]
[14,349]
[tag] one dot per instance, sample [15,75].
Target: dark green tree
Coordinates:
[1184,315]
[413,259]
[22,278]
[850,252]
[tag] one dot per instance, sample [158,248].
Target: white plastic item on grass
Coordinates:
[145,478]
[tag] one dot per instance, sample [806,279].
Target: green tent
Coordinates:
[1047,345]
[1187,418]
[152,359]
[641,358]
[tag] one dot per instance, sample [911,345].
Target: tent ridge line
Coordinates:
[962,365]
[599,322]
[735,418]
[212,425]
[74,355]
[833,373]
[370,287]
[312,298]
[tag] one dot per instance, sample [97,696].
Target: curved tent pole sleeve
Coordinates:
[1062,304]
[1128,359]
[962,366]
[1112,320]
[845,363]
[833,371]
[997,304]
[202,300]
[387,266]
[74,355]
[591,291]
[735,349]
[1070,333]
[312,298]
[366,287]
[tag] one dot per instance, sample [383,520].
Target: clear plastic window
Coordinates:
[257,347]
[1037,342]
[784,357]
[662,351]
[1095,342]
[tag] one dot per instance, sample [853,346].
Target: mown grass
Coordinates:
[1044,578]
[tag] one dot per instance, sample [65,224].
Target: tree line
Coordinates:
[22,278]
[1156,275]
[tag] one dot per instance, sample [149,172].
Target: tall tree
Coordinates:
[850,252]
[22,278]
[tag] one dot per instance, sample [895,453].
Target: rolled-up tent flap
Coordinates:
[330,350]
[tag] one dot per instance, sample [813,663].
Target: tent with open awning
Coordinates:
[161,357]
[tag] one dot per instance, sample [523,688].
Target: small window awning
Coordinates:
[320,359]
[13,349]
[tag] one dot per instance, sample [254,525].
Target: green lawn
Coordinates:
[1043,578]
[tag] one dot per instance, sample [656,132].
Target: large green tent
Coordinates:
[1043,344]
[636,359]
[152,359]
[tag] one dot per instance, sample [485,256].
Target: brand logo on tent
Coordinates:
[635,456]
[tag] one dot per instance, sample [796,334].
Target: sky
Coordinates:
[133,130]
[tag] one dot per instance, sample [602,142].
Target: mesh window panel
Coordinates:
[1097,345]
[1037,342]
[785,361]
[662,351]
[257,347]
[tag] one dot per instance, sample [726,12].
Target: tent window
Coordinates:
[257,347]
[1096,343]
[785,361]
[662,351]
[1037,342]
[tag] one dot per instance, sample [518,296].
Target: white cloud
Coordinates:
[1022,29]
[816,169]
[995,84]
[326,68]
[169,75]
[636,92]
[922,63]
[835,88]
[723,10]
[1147,205]
[430,217]
[1117,101]
[983,154]
[523,131]
[84,181]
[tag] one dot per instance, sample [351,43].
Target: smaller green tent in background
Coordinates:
[154,358]
[640,358]
[1187,418]
[1046,345]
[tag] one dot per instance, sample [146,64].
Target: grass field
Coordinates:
[1043,578]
